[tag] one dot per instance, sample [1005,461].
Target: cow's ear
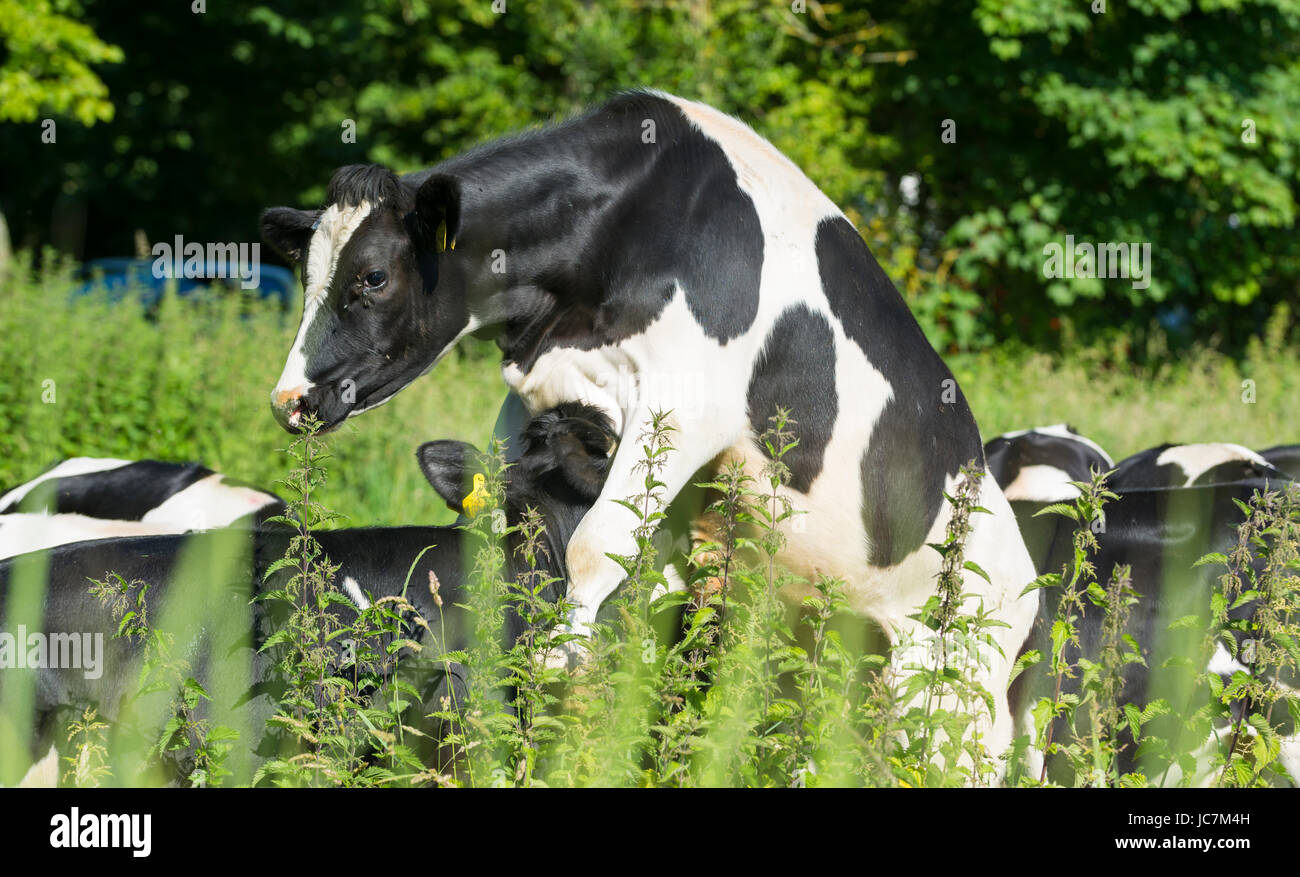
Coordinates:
[288,230]
[437,213]
[582,453]
[446,465]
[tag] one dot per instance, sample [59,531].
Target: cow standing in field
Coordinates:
[1037,465]
[658,255]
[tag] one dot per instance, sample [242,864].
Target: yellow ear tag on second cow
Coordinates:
[476,499]
[442,236]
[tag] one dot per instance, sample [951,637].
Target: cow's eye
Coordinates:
[376,279]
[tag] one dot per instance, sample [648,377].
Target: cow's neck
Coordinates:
[536,216]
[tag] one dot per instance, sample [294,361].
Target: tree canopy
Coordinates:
[963,138]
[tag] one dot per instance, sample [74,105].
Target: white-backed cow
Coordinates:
[98,498]
[1187,465]
[562,464]
[656,255]
[22,532]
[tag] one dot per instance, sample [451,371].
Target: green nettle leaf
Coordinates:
[1134,716]
[1047,580]
[1060,508]
[975,568]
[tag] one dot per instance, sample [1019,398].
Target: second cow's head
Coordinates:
[382,300]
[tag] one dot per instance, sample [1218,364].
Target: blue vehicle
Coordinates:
[120,277]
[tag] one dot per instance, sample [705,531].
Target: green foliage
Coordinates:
[1173,124]
[163,671]
[1076,732]
[1169,124]
[1259,701]
[48,60]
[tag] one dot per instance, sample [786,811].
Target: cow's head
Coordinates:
[565,460]
[381,303]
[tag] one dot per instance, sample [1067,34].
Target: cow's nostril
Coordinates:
[283,398]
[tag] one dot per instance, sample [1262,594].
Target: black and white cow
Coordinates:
[97,498]
[658,255]
[1160,533]
[1034,468]
[1284,457]
[1037,465]
[564,457]
[1187,465]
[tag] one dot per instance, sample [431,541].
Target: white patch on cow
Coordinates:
[21,533]
[1223,664]
[1041,484]
[337,225]
[786,200]
[44,774]
[1195,460]
[565,374]
[353,592]
[598,377]
[66,469]
[209,503]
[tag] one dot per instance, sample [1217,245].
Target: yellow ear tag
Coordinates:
[442,236]
[476,499]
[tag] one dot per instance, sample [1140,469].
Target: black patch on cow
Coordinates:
[1140,470]
[600,227]
[796,371]
[1286,458]
[126,493]
[920,437]
[691,224]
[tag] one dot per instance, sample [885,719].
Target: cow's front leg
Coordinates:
[608,527]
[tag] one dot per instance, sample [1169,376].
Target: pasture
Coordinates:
[191,381]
